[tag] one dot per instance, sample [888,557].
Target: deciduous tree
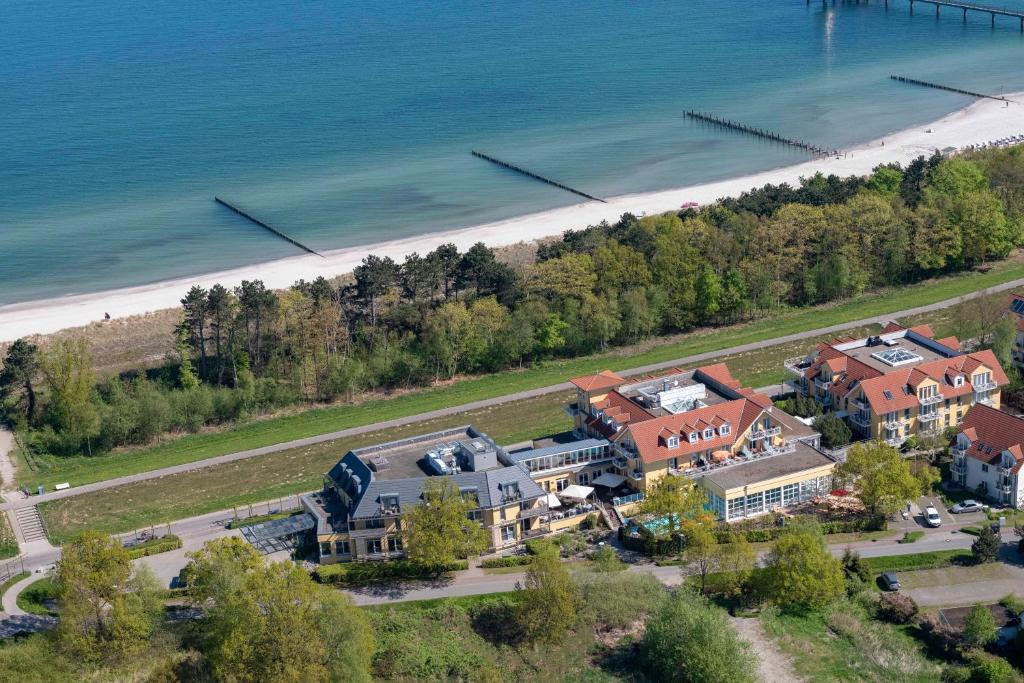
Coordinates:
[881,479]
[550,599]
[439,530]
[800,573]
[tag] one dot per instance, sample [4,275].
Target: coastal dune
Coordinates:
[980,123]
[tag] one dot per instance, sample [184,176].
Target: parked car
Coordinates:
[890,582]
[967,506]
[931,517]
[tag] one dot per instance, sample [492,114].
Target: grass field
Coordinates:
[756,369]
[296,470]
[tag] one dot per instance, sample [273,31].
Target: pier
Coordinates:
[530,174]
[966,7]
[263,225]
[939,86]
[761,133]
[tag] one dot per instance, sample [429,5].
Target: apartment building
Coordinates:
[747,454]
[358,512]
[988,455]
[900,382]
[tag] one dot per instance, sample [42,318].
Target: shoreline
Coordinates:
[978,123]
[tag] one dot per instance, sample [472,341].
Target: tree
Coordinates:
[800,573]
[700,552]
[105,611]
[439,530]
[67,367]
[1003,337]
[708,294]
[980,627]
[689,641]
[987,545]
[834,432]
[194,314]
[375,277]
[882,479]
[735,560]
[570,276]
[676,500]
[550,598]
[21,365]
[270,622]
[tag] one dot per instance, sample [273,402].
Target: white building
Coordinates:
[988,455]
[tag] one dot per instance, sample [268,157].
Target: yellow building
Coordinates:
[899,383]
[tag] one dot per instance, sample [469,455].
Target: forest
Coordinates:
[250,350]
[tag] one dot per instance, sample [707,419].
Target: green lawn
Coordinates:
[916,561]
[762,370]
[32,599]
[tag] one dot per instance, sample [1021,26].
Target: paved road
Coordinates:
[521,395]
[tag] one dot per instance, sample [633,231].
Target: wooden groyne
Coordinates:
[761,133]
[939,86]
[531,174]
[263,225]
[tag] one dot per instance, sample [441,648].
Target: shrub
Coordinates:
[986,668]
[855,566]
[911,537]
[897,608]
[618,600]
[510,561]
[1012,603]
[356,573]
[979,627]
[607,560]
[154,546]
[986,546]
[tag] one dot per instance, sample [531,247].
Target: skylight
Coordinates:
[896,356]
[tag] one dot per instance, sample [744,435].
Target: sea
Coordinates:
[347,123]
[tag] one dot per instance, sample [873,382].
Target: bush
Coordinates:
[154,546]
[911,537]
[897,608]
[986,546]
[617,600]
[1012,603]
[510,561]
[607,560]
[939,636]
[855,566]
[986,668]
[357,573]
[834,432]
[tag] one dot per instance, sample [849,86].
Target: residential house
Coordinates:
[988,455]
[900,382]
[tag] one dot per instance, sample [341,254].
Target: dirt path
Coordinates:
[772,665]
[6,464]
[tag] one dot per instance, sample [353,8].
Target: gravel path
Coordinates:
[6,464]
[772,665]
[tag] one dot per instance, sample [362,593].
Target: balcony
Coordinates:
[621,462]
[537,511]
[957,453]
[636,475]
[861,420]
[928,417]
[931,400]
[765,433]
[1006,487]
[988,385]
[858,404]
[626,500]
[958,467]
[798,365]
[893,424]
[823,385]
[985,398]
[1006,470]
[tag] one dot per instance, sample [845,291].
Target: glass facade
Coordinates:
[766,501]
[567,459]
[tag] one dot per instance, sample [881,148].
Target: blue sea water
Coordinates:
[348,123]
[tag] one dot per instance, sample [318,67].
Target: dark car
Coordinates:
[890,582]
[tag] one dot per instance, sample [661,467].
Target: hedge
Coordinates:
[154,546]
[915,561]
[241,522]
[510,561]
[354,573]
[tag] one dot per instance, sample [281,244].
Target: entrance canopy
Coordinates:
[553,501]
[609,479]
[278,534]
[576,492]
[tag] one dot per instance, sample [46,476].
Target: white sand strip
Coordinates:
[980,123]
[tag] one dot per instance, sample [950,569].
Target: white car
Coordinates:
[931,517]
[967,506]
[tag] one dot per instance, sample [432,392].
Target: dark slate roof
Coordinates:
[557,449]
[351,474]
[488,485]
[805,457]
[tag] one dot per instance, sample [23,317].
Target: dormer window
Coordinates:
[958,381]
[693,437]
[724,430]
[709,433]
[673,442]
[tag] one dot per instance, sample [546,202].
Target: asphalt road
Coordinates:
[531,393]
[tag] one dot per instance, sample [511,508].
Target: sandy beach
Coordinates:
[979,123]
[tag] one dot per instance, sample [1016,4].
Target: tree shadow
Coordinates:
[497,624]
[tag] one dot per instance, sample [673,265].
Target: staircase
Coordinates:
[611,517]
[30,523]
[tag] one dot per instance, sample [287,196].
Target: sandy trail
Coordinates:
[773,666]
[6,463]
[980,123]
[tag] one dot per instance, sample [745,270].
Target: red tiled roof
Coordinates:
[950,342]
[991,432]
[892,327]
[720,373]
[901,384]
[652,444]
[923,330]
[606,379]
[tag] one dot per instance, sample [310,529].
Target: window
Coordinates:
[341,548]
[755,503]
[673,442]
[325,548]
[736,508]
[724,429]
[984,468]
[373,546]
[374,523]
[693,437]
[790,494]
[673,463]
[561,484]
[475,515]
[394,545]
[508,533]
[773,498]
[906,413]
[709,433]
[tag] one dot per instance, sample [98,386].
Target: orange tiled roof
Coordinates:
[991,432]
[923,330]
[902,384]
[606,379]
[950,342]
[651,439]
